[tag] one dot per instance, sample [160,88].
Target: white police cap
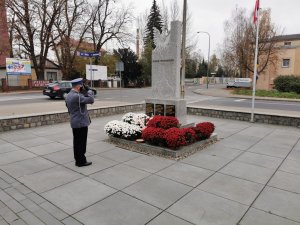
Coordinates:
[76,81]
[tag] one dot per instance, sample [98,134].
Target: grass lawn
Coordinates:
[264,93]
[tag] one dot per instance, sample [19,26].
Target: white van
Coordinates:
[239,82]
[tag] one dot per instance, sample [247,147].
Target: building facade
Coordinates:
[288,61]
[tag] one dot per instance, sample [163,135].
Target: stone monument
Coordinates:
[166,64]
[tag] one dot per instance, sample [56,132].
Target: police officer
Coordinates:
[80,120]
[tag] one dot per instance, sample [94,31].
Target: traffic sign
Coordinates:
[88,54]
[119,66]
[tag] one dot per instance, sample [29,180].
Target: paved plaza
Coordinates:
[251,176]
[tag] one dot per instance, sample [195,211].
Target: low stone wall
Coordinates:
[21,122]
[244,116]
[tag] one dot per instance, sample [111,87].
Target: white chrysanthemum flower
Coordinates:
[122,129]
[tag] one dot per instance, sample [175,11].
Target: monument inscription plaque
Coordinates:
[160,109]
[170,110]
[149,109]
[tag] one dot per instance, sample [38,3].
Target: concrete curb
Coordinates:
[248,97]
[270,118]
[165,152]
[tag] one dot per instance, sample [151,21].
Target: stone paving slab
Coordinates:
[99,163]
[279,202]
[78,195]
[120,155]
[291,166]
[209,162]
[255,217]
[39,183]
[150,164]
[200,208]
[286,181]
[120,176]
[248,172]
[220,150]
[259,160]
[118,209]
[294,155]
[15,156]
[47,148]
[48,179]
[158,191]
[186,174]
[166,218]
[241,142]
[27,167]
[232,188]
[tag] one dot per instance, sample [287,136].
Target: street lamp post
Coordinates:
[207,55]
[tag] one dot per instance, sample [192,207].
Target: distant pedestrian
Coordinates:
[80,120]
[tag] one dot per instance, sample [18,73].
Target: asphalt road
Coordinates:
[19,101]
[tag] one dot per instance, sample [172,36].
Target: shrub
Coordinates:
[138,119]
[174,137]
[113,128]
[204,130]
[164,122]
[287,83]
[124,130]
[190,135]
[153,135]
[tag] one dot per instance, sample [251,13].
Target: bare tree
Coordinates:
[34,21]
[239,43]
[110,21]
[70,29]
[141,24]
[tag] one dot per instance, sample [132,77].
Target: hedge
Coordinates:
[288,83]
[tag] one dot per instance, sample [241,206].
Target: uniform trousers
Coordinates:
[79,144]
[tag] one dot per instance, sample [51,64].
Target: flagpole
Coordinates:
[183,56]
[255,68]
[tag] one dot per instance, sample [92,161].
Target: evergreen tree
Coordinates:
[202,71]
[154,21]
[191,68]
[132,70]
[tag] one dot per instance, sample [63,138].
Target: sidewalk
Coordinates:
[250,176]
[226,93]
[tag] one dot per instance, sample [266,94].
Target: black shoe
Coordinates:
[83,164]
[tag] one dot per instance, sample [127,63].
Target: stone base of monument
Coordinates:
[167,107]
[177,154]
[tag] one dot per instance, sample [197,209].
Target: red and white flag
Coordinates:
[256,11]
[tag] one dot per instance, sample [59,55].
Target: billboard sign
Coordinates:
[94,72]
[40,83]
[18,66]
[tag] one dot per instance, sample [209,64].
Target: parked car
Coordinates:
[60,89]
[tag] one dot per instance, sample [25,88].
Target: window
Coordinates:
[52,75]
[287,43]
[286,63]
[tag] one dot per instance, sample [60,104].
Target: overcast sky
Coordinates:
[209,15]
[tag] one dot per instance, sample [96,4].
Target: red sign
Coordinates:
[40,83]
